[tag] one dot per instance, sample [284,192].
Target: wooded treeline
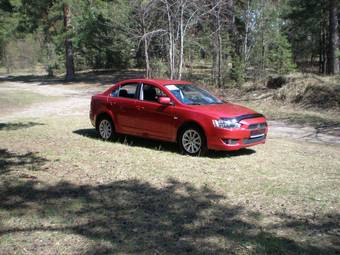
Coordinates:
[230,40]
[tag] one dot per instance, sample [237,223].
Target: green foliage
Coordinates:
[6,6]
[22,54]
[307,25]
[237,72]
[43,19]
[338,53]
[98,36]
[266,49]
[307,13]
[280,55]
[98,40]
[159,69]
[264,39]
[8,22]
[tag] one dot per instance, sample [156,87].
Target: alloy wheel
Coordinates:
[105,129]
[191,141]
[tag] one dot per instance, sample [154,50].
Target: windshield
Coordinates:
[192,95]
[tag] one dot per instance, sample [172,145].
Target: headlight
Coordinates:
[226,123]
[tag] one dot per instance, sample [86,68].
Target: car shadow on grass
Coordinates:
[135,217]
[159,145]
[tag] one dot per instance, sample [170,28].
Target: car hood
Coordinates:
[225,110]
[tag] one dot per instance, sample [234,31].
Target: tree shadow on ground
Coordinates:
[18,125]
[158,145]
[12,161]
[105,77]
[134,217]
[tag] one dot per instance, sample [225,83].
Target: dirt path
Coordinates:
[299,132]
[76,102]
[71,102]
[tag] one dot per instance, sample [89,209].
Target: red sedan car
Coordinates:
[176,111]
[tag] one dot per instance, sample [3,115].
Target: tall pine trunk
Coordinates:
[322,43]
[333,62]
[68,44]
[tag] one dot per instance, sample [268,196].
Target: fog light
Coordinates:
[230,141]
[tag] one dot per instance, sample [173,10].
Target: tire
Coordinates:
[105,129]
[192,141]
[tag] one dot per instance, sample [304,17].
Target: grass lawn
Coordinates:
[64,191]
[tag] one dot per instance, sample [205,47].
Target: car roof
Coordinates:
[157,81]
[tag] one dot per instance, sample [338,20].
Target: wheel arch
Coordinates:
[102,115]
[190,123]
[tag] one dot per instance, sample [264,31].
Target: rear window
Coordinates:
[126,91]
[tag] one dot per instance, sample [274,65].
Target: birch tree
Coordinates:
[180,15]
[221,20]
[146,20]
[333,61]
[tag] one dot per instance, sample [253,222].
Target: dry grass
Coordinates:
[12,100]
[311,91]
[304,99]
[295,114]
[64,191]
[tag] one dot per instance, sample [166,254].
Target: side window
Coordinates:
[128,90]
[151,93]
[114,93]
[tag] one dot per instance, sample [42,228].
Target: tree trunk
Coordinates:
[220,64]
[68,44]
[333,62]
[147,61]
[246,33]
[171,41]
[217,43]
[233,30]
[262,55]
[322,56]
[181,53]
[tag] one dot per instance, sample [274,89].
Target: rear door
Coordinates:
[122,103]
[154,119]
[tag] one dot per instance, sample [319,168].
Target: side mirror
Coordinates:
[164,100]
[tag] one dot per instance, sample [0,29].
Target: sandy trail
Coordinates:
[77,101]
[299,132]
[72,101]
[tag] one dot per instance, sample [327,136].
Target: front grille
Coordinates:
[258,126]
[254,140]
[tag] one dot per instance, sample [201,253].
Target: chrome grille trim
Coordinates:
[254,140]
[257,126]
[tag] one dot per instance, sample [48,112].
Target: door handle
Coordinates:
[140,107]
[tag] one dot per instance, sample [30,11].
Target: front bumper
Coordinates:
[235,139]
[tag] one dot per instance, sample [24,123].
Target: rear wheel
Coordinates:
[192,142]
[105,129]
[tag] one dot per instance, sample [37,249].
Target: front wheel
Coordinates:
[105,129]
[192,142]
